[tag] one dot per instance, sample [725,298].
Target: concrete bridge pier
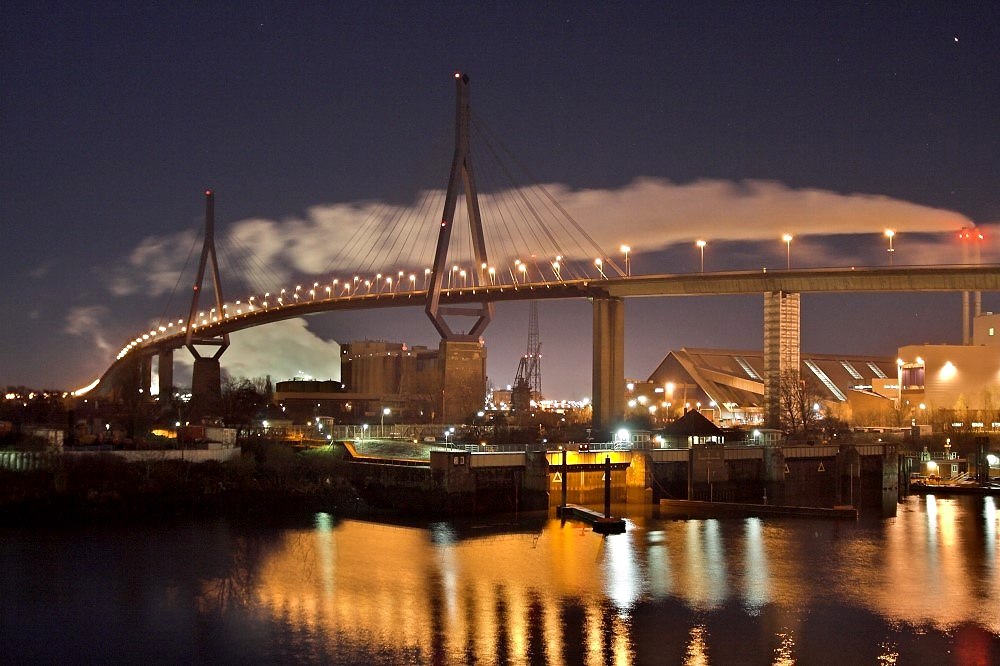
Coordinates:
[781,349]
[463,378]
[145,376]
[609,362]
[206,386]
[165,370]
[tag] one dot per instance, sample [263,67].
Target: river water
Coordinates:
[920,588]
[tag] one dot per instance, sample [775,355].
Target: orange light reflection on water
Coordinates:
[561,593]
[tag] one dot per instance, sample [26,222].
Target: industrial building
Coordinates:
[964,379]
[728,385]
[416,384]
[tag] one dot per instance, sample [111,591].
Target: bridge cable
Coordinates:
[180,276]
[547,195]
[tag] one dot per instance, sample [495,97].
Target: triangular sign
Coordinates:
[557,478]
[787,471]
[821,468]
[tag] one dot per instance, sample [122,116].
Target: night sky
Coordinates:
[733,122]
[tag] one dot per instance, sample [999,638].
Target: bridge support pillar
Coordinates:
[206,387]
[146,376]
[781,349]
[165,370]
[609,362]
[463,379]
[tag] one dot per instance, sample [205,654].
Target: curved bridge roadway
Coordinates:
[823,280]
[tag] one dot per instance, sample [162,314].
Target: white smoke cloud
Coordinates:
[659,213]
[648,214]
[283,350]
[86,322]
[154,266]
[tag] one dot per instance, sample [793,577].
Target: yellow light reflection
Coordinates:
[696,653]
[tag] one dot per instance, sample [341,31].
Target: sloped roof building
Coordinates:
[730,382]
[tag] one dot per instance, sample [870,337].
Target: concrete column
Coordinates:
[463,379]
[609,362]
[206,387]
[145,376]
[165,370]
[781,349]
[966,319]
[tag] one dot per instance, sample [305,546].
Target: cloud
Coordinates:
[40,271]
[283,350]
[86,322]
[659,213]
[648,214]
[154,266]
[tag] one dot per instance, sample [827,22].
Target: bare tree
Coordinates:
[798,400]
[242,399]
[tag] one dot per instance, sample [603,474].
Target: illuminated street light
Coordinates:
[385,412]
[889,233]
[628,267]
[788,250]
[600,268]
[701,246]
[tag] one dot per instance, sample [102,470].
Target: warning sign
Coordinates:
[821,468]
[787,471]
[557,478]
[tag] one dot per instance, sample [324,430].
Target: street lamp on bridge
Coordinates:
[788,250]
[889,233]
[628,267]
[701,246]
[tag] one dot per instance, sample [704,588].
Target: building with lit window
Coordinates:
[955,377]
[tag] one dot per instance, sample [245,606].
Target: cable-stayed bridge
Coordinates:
[514,243]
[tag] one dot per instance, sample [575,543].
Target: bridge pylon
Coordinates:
[462,354]
[462,176]
[206,379]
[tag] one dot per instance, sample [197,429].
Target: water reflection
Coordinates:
[910,590]
[565,595]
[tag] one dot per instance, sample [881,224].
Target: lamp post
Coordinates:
[889,233]
[600,267]
[701,246]
[628,267]
[385,412]
[788,250]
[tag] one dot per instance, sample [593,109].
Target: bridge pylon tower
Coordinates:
[462,176]
[462,354]
[206,379]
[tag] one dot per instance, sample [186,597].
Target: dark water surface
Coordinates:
[921,588]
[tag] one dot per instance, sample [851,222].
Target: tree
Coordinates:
[242,399]
[798,398]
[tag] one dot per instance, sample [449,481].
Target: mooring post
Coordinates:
[607,486]
[565,477]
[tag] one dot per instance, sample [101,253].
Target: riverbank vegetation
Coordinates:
[268,478]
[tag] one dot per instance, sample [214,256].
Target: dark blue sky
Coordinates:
[115,116]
